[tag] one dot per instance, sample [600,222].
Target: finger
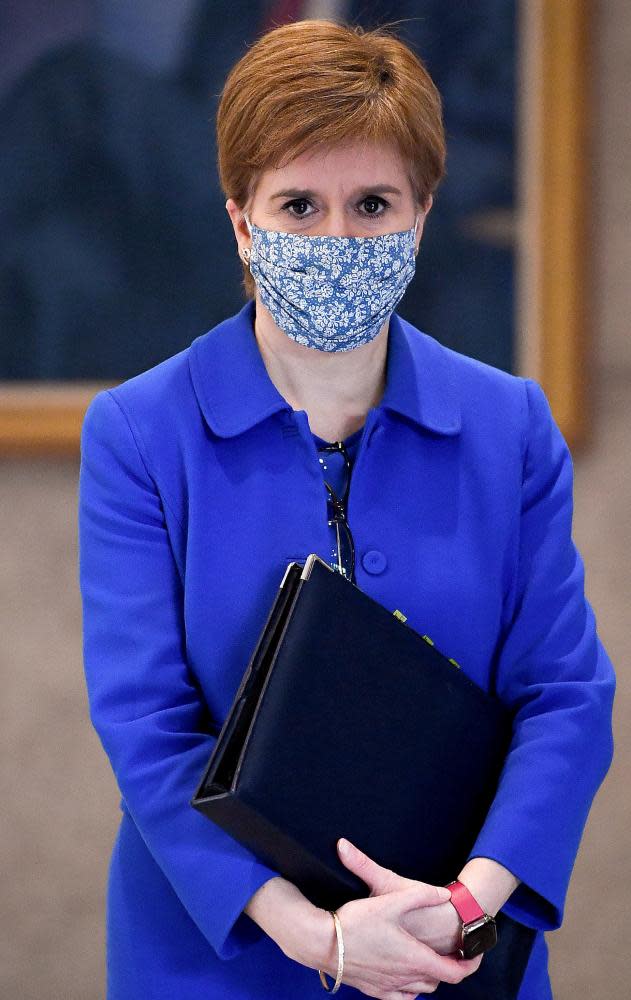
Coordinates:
[423,894]
[424,985]
[445,968]
[458,968]
[373,874]
[408,994]
[399,995]
[473,963]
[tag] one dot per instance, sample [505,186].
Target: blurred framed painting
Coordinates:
[116,250]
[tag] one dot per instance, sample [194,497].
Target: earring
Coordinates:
[245,253]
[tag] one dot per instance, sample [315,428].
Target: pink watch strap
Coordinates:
[467,906]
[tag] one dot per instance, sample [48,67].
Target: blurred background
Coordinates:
[116,251]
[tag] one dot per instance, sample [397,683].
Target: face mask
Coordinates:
[332,293]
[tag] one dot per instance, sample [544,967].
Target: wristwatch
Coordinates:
[479,931]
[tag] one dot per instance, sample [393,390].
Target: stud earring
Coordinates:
[245,253]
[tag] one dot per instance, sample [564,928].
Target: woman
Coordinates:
[201,478]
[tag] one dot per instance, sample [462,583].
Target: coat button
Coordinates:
[374,561]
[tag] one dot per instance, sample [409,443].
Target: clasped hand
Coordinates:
[421,910]
[437,925]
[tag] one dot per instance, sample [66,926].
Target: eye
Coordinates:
[375,199]
[296,201]
[368,200]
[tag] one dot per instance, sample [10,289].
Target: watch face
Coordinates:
[479,936]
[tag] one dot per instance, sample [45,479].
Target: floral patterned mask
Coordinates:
[332,293]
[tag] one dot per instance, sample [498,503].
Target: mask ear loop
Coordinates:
[246,250]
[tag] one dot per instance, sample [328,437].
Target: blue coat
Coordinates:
[198,483]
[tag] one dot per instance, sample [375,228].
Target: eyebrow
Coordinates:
[308,193]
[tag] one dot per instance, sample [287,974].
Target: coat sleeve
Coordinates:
[145,703]
[554,672]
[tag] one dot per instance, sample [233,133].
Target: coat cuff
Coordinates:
[236,930]
[534,902]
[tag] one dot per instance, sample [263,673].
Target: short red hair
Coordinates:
[317,83]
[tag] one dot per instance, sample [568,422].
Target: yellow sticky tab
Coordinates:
[427,639]
[399,614]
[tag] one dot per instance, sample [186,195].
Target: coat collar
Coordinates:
[235,391]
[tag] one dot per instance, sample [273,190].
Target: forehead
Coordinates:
[339,168]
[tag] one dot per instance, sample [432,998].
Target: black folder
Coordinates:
[348,723]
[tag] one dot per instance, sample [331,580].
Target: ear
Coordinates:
[422,216]
[241,232]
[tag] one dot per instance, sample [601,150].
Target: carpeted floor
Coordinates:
[59,800]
